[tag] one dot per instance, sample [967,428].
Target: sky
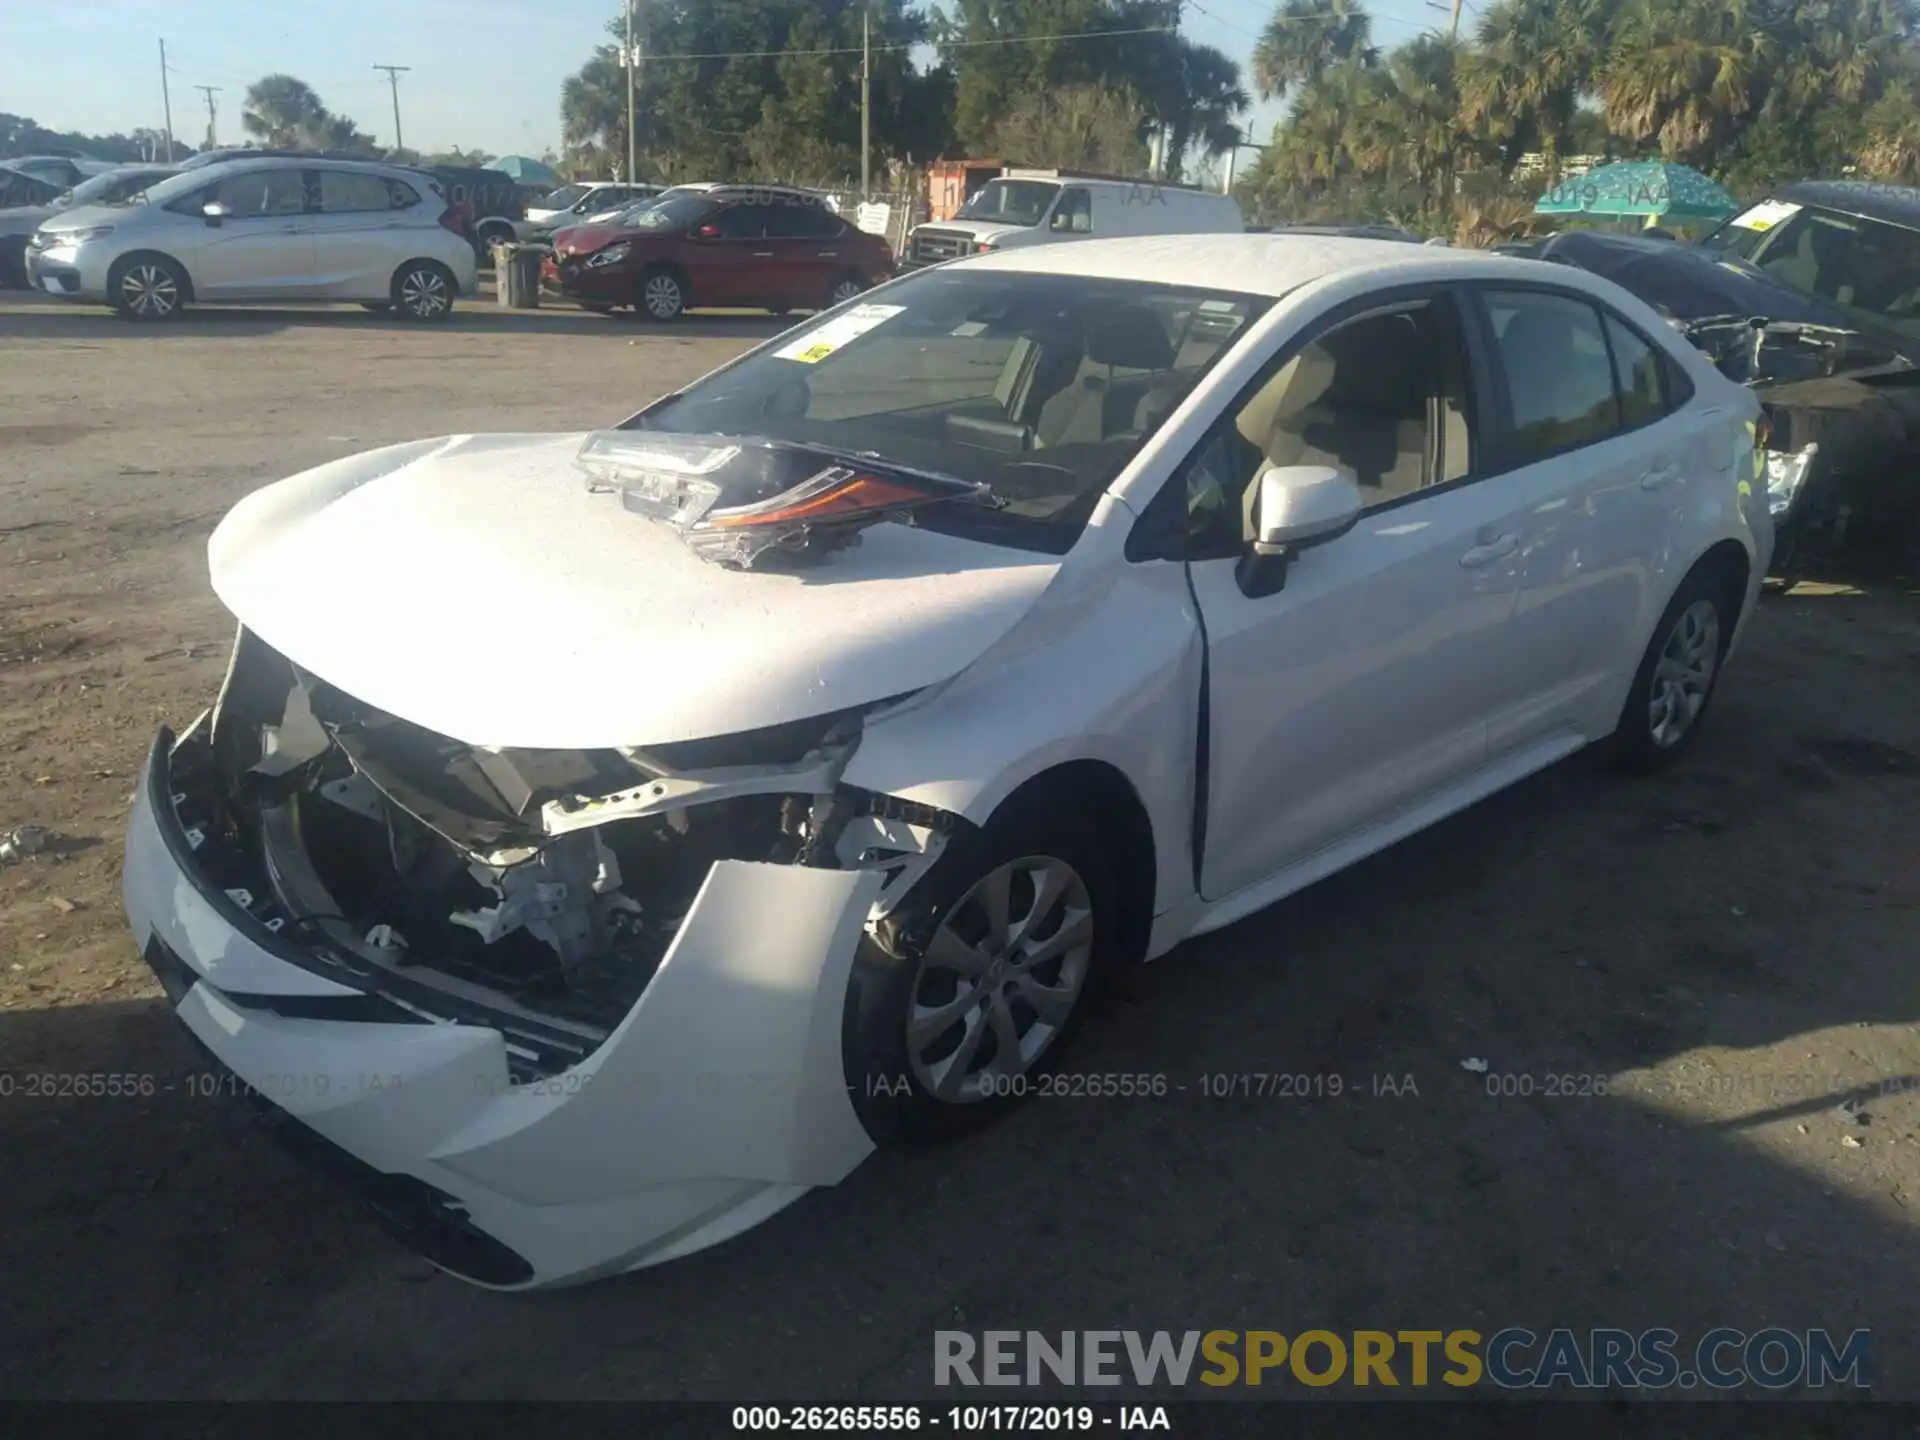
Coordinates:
[485,74]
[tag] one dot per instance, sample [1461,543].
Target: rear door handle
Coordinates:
[1659,477]
[763,254]
[1498,548]
[827,254]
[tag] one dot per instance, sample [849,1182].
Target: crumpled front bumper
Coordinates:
[719,1099]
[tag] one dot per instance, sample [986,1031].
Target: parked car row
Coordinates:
[265,229]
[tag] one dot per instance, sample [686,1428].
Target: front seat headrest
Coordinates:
[1130,339]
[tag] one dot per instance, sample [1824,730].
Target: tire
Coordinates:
[844,288]
[660,295]
[148,288]
[913,1076]
[377,307]
[1678,675]
[423,290]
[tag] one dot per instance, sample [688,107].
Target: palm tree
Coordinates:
[1684,73]
[1205,107]
[1521,84]
[593,104]
[1334,130]
[1892,148]
[283,111]
[1307,38]
[1415,128]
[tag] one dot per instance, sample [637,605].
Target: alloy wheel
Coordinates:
[845,290]
[423,294]
[1684,673]
[150,291]
[661,295]
[1000,979]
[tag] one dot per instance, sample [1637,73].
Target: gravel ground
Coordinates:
[1731,946]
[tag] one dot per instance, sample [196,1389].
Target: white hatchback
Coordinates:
[842,723]
[265,231]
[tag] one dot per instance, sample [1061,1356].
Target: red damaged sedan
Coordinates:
[755,247]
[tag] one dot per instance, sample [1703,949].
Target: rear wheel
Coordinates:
[843,289]
[423,290]
[661,295]
[1677,675]
[147,288]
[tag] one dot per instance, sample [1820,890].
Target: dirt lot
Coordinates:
[1734,945]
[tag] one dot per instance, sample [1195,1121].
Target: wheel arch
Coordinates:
[435,261]
[186,273]
[1101,790]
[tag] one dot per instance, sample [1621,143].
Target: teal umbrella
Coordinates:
[1651,188]
[527,171]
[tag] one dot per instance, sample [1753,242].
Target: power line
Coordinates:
[936,44]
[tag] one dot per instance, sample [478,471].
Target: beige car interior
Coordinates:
[1359,399]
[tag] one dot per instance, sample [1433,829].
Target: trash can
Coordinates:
[516,275]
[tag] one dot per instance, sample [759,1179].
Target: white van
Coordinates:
[1040,207]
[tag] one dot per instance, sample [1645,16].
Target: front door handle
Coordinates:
[763,255]
[1497,548]
[1659,477]
[827,254]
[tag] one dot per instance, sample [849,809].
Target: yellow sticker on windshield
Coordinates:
[820,342]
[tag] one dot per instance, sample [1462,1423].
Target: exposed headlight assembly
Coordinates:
[612,255]
[1786,475]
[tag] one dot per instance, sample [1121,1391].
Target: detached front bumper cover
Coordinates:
[720,1097]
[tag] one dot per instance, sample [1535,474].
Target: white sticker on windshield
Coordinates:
[1215,306]
[816,345]
[1767,214]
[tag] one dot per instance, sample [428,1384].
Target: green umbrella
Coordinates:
[526,170]
[1639,187]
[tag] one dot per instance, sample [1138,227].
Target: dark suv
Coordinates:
[750,246]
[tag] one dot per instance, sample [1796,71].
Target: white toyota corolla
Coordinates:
[600,839]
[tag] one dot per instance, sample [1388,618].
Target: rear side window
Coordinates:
[1636,372]
[1558,369]
[346,191]
[803,222]
[743,222]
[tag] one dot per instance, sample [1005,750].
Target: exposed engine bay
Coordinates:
[549,882]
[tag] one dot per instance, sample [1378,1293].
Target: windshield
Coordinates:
[1009,202]
[672,212]
[1039,386]
[562,199]
[1869,269]
[111,189]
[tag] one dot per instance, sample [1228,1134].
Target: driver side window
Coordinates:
[1383,398]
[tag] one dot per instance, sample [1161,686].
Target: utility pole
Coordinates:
[866,103]
[630,58]
[1453,26]
[393,80]
[210,91]
[166,100]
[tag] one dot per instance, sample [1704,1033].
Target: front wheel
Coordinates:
[663,295]
[1677,675]
[968,996]
[423,290]
[147,288]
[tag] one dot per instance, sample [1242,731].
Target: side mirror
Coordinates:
[215,212]
[1295,506]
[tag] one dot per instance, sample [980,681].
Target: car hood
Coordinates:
[474,585]
[85,217]
[984,229]
[1692,282]
[585,239]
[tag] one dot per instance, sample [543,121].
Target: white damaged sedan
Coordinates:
[601,839]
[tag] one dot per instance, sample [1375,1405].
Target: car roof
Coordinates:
[1895,204]
[1252,264]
